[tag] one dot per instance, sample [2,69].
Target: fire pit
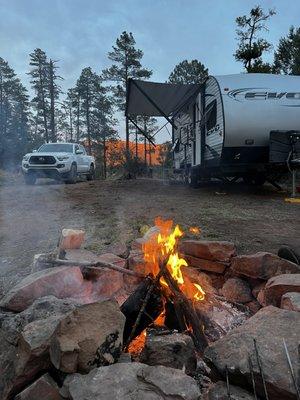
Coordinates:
[172,302]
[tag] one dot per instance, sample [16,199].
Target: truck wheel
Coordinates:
[91,175]
[30,179]
[72,175]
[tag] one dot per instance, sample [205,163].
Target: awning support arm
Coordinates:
[153,103]
[142,132]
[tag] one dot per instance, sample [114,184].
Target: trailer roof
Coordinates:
[158,99]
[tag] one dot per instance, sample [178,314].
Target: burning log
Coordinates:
[141,308]
[185,310]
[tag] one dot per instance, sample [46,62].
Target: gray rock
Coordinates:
[24,342]
[134,381]
[88,337]
[291,301]
[175,350]
[42,389]
[237,290]
[269,327]
[219,392]
[262,265]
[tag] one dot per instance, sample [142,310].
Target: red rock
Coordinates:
[262,265]
[71,239]
[43,389]
[278,286]
[201,278]
[61,282]
[257,288]
[237,290]
[291,301]
[206,265]
[208,250]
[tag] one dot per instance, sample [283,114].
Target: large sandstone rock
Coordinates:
[269,327]
[71,239]
[175,350]
[237,290]
[87,337]
[291,301]
[24,342]
[208,250]
[61,282]
[278,286]
[262,265]
[134,381]
[206,265]
[219,392]
[44,388]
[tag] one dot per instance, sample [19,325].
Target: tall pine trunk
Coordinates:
[42,89]
[88,118]
[78,120]
[52,101]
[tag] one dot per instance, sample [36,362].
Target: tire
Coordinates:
[30,179]
[91,175]
[192,179]
[72,175]
[255,179]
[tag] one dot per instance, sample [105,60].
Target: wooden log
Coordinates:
[95,266]
[186,309]
[141,308]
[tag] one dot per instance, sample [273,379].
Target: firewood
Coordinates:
[141,308]
[186,308]
[95,266]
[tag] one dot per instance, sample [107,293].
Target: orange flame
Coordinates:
[164,244]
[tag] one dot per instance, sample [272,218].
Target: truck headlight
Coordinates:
[25,158]
[62,158]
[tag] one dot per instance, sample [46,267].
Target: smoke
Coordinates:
[31,218]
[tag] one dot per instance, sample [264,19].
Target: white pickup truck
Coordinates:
[61,161]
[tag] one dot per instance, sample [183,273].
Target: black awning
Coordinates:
[158,99]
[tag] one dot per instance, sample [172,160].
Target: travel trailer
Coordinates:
[223,127]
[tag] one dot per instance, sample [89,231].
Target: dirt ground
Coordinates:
[111,212]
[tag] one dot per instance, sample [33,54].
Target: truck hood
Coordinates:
[42,154]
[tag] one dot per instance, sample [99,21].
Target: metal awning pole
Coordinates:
[143,133]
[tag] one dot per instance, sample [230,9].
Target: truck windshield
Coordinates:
[56,148]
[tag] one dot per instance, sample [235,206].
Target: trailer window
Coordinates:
[211,115]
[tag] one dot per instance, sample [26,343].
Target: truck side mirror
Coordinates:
[78,152]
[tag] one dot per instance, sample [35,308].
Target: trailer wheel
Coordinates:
[192,179]
[254,179]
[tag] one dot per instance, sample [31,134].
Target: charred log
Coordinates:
[141,308]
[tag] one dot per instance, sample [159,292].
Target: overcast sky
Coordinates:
[79,33]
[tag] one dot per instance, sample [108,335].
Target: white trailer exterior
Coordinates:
[225,130]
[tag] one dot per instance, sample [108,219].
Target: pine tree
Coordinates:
[126,64]
[54,92]
[40,84]
[287,55]
[188,72]
[250,46]
[14,116]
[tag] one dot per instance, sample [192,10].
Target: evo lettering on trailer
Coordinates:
[263,94]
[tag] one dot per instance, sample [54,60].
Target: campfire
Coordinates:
[166,279]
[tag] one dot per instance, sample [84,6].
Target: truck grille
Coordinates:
[42,160]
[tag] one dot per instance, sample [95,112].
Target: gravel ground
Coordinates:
[112,212]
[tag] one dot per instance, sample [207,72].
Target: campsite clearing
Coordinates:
[112,212]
